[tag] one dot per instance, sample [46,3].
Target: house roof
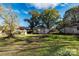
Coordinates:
[21,28]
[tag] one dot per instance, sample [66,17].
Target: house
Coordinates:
[71,30]
[21,30]
[40,30]
[43,30]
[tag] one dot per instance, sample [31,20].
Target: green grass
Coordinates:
[51,45]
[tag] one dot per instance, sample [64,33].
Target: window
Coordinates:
[77,27]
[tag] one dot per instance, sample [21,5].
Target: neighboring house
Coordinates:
[42,30]
[22,30]
[18,30]
[71,30]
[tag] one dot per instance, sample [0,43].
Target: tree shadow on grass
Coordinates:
[52,49]
[31,39]
[2,39]
[77,37]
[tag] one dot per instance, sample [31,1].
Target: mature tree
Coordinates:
[71,16]
[49,17]
[46,18]
[34,20]
[10,19]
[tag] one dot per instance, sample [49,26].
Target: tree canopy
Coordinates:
[46,18]
[71,16]
[49,17]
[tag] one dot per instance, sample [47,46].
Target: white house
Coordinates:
[41,30]
[22,30]
[70,30]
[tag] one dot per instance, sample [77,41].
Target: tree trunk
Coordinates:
[10,34]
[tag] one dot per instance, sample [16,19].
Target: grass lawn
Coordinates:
[40,45]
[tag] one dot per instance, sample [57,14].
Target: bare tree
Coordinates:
[10,20]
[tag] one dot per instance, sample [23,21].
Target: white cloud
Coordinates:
[44,5]
[26,12]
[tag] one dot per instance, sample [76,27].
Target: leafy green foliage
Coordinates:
[46,19]
[71,16]
[33,22]
[49,17]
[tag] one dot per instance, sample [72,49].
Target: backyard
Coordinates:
[40,45]
[36,31]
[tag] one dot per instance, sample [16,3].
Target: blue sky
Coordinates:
[22,9]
